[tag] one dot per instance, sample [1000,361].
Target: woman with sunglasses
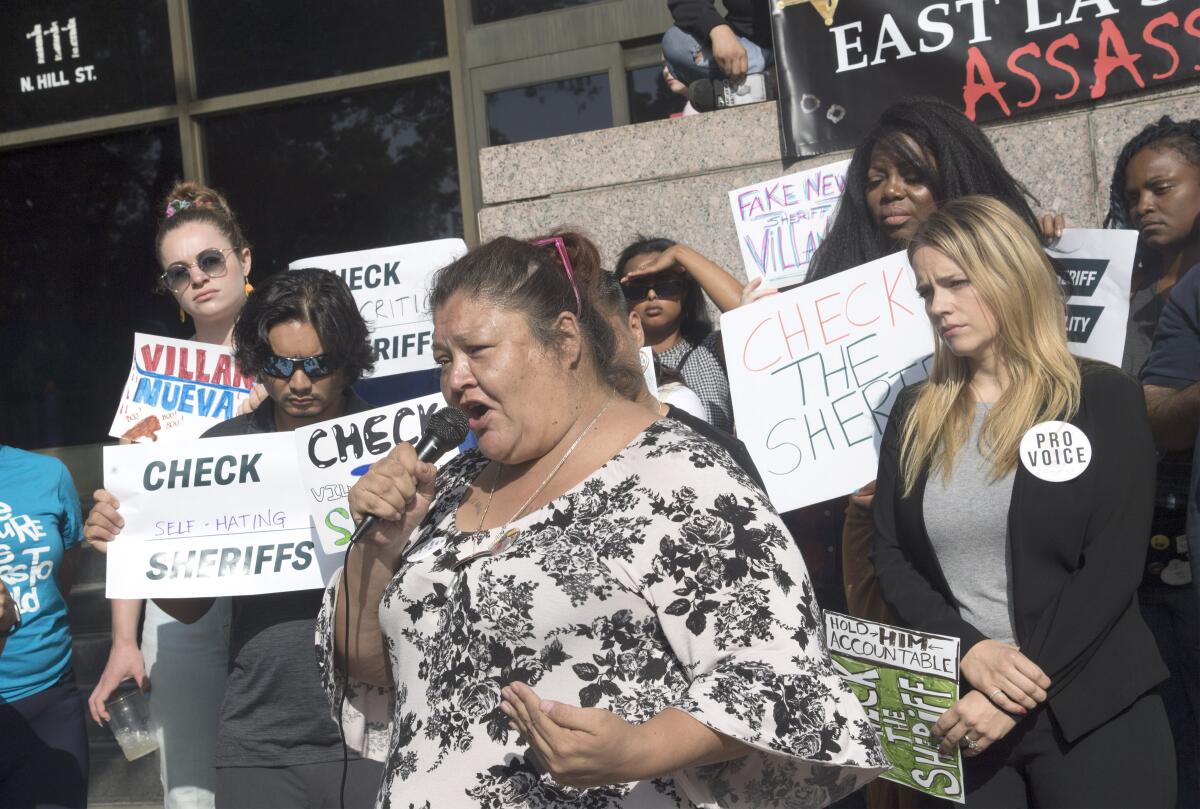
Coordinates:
[206,269]
[665,283]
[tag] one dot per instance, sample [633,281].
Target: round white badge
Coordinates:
[1055,451]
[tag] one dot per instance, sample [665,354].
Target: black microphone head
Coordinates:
[703,95]
[448,425]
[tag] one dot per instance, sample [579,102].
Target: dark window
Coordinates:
[649,97]
[245,46]
[77,258]
[368,169]
[71,59]
[561,107]
[496,10]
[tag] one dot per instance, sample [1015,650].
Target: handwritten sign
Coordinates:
[1100,263]
[334,453]
[813,374]
[391,287]
[905,680]
[780,223]
[178,388]
[211,517]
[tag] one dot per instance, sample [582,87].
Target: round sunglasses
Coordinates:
[212,262]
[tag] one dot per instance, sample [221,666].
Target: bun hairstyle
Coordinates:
[193,202]
[523,277]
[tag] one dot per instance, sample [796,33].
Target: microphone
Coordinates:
[447,429]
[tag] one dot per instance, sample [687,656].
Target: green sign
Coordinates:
[905,680]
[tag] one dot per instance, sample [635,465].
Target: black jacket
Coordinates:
[1077,552]
[748,18]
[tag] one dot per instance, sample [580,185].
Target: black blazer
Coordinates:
[1077,553]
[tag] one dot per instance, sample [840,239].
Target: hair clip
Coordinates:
[561,247]
[177,205]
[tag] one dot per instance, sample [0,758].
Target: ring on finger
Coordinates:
[992,695]
[970,743]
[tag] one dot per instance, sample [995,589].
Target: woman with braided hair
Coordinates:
[1156,189]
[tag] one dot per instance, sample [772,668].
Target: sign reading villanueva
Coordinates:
[841,64]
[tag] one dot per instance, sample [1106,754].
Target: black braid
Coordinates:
[953,157]
[1182,136]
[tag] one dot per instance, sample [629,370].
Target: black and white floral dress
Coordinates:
[664,579]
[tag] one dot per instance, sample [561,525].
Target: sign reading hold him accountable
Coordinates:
[391,287]
[177,387]
[1100,263]
[814,372]
[781,223]
[334,453]
[211,517]
[905,681]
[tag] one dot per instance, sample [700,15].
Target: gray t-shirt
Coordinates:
[967,522]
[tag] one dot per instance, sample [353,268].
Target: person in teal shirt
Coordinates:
[43,742]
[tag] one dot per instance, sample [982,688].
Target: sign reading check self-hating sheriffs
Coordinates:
[841,63]
[211,517]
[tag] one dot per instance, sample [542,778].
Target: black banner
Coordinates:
[841,64]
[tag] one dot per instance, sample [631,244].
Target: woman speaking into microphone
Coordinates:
[1014,493]
[591,605]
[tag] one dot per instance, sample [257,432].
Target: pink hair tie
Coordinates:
[561,247]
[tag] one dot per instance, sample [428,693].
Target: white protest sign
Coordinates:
[646,357]
[178,388]
[1100,263]
[333,454]
[781,222]
[211,517]
[813,373]
[391,287]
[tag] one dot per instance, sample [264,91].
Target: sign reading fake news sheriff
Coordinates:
[391,287]
[179,388]
[211,517]
[814,372]
[334,454]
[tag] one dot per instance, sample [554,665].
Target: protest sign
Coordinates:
[841,64]
[905,681]
[1100,263]
[391,287]
[211,517]
[781,222]
[333,454]
[814,372]
[178,388]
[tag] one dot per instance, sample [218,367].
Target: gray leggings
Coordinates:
[300,786]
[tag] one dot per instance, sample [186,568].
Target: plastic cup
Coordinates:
[129,713]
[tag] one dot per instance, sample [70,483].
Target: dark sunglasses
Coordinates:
[663,289]
[211,262]
[318,366]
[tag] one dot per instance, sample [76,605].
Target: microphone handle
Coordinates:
[427,451]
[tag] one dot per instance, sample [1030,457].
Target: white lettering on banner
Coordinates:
[184,539]
[813,373]
[333,454]
[391,288]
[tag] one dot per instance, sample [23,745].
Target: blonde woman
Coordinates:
[1014,493]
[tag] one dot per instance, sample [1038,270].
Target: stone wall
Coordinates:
[671,178]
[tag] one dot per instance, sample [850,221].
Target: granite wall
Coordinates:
[671,178]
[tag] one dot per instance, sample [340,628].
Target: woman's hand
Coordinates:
[865,496]
[103,522]
[666,261]
[755,291]
[1005,676]
[579,747]
[973,718]
[1051,226]
[125,661]
[258,395]
[398,490]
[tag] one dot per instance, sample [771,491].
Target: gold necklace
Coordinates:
[544,483]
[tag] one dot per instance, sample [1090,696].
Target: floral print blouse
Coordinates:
[664,579]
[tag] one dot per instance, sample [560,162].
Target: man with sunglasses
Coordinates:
[302,335]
